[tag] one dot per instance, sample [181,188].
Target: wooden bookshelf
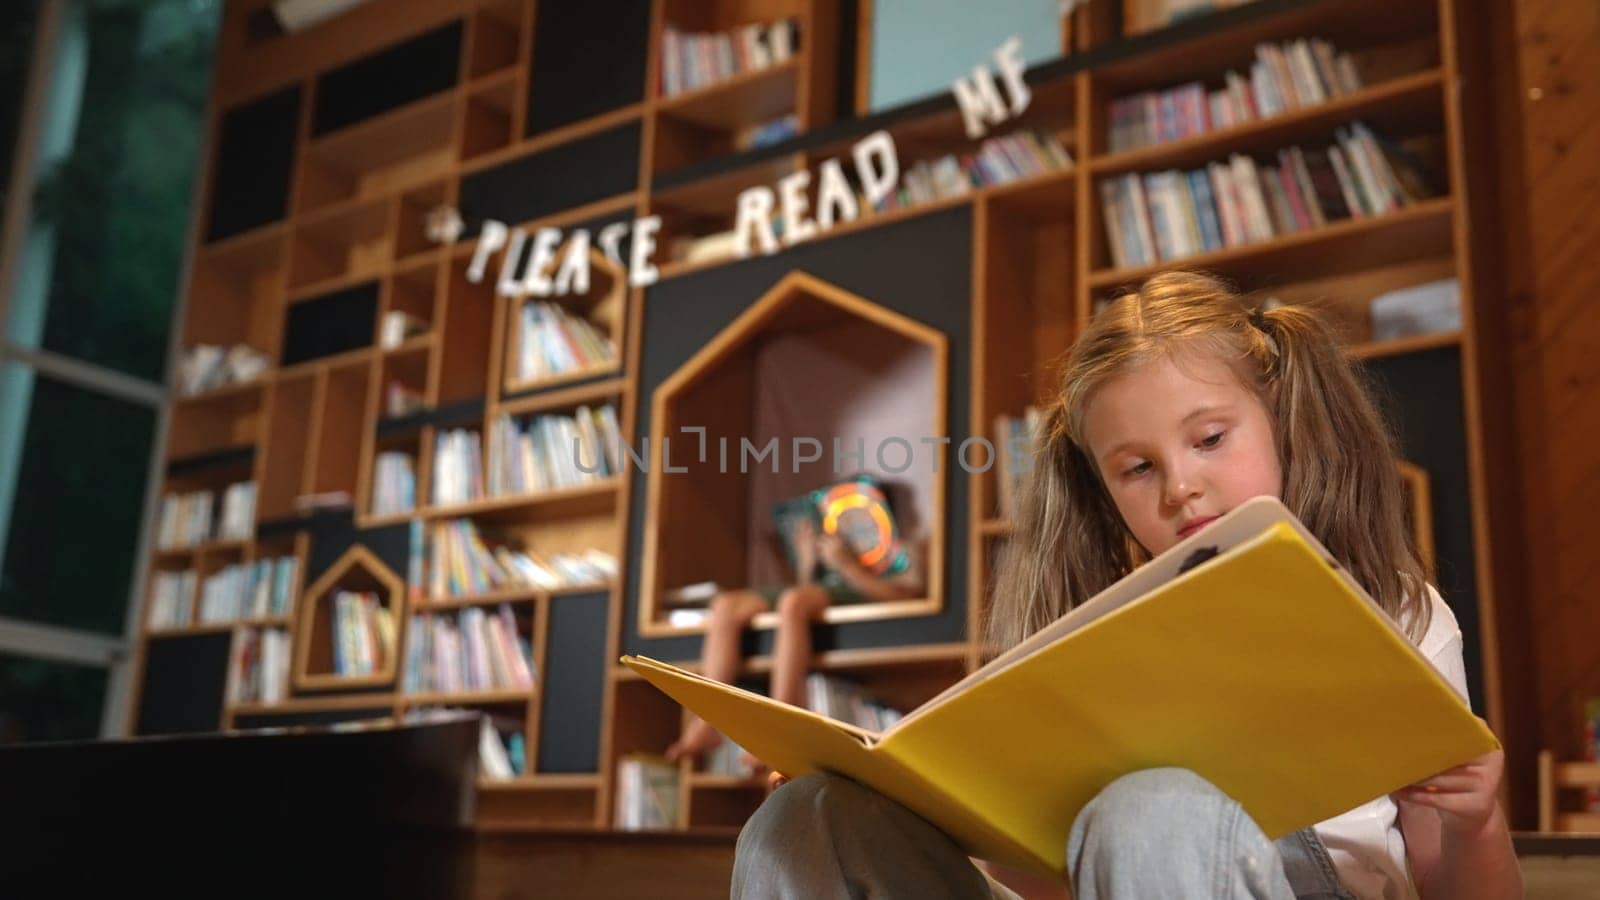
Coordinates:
[351,246]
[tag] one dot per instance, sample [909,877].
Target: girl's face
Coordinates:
[1179,443]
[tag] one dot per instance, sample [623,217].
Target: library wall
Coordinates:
[326,164]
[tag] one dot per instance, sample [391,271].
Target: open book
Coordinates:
[1244,653]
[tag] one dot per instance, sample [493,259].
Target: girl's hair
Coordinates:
[1338,459]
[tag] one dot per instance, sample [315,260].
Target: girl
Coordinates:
[1177,404]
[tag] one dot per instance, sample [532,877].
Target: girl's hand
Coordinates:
[835,553]
[1464,796]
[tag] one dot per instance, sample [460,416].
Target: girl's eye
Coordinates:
[1212,440]
[1138,469]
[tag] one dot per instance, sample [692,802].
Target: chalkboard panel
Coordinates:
[565,176]
[255,158]
[588,58]
[333,323]
[569,717]
[390,78]
[184,679]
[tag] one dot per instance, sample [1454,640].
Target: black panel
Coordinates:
[332,323]
[1421,394]
[332,535]
[377,812]
[233,457]
[254,162]
[569,717]
[920,268]
[184,678]
[393,77]
[588,58]
[572,174]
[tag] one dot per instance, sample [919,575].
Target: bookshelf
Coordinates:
[544,115]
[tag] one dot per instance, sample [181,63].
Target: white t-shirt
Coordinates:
[1368,851]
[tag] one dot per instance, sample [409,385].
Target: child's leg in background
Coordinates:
[730,612]
[798,607]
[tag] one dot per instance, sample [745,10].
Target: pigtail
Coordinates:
[1338,459]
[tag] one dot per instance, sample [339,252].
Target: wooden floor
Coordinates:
[510,866]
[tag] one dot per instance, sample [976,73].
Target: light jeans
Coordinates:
[1159,833]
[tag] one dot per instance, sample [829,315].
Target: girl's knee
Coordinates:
[817,800]
[802,604]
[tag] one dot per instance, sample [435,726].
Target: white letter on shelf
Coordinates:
[755,210]
[877,181]
[834,192]
[640,272]
[490,239]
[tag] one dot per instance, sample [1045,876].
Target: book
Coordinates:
[1245,653]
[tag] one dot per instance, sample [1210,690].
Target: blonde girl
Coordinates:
[1178,403]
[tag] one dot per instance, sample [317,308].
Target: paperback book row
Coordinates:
[363,633]
[1284,77]
[256,590]
[394,483]
[462,563]
[193,518]
[1014,443]
[1164,216]
[207,367]
[549,451]
[502,748]
[695,59]
[552,341]
[998,160]
[259,590]
[258,671]
[647,785]
[468,651]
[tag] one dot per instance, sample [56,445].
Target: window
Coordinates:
[102,107]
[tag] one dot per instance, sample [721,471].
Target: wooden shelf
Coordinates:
[1402,346]
[565,399]
[498,697]
[580,374]
[222,394]
[188,630]
[717,782]
[541,782]
[745,100]
[297,705]
[1419,230]
[1403,101]
[508,595]
[996,526]
[588,498]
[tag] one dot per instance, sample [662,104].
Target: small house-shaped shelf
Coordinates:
[358,570]
[815,373]
[573,323]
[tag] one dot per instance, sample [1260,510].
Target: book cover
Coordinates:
[1245,654]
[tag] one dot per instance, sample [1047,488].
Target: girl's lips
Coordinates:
[1194,525]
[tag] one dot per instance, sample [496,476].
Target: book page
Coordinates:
[1246,521]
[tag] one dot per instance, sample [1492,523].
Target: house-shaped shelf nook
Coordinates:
[571,335]
[344,643]
[809,385]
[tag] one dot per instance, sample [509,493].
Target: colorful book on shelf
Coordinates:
[1245,654]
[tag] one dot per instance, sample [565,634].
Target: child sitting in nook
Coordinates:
[845,547]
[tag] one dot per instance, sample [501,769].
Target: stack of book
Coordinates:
[259,669]
[1014,438]
[554,451]
[462,563]
[695,59]
[457,472]
[363,633]
[470,651]
[171,599]
[1165,216]
[647,793]
[846,701]
[1284,77]
[998,160]
[394,488]
[553,341]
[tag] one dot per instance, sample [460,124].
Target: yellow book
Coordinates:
[1245,654]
